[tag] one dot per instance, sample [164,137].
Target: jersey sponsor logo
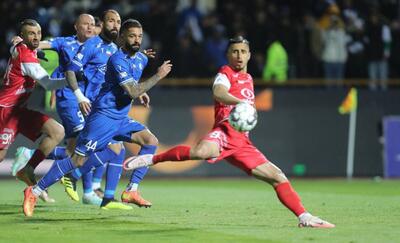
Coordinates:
[140,66]
[243,81]
[247,93]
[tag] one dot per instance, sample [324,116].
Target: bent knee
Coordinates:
[151,140]
[78,160]
[58,133]
[200,153]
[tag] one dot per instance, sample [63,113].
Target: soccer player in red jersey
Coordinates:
[234,85]
[22,73]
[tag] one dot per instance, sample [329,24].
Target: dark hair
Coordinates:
[30,22]
[130,23]
[103,16]
[97,21]
[238,39]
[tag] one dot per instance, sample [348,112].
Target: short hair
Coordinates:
[30,22]
[103,15]
[130,23]
[238,39]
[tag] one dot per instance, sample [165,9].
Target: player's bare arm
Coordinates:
[137,89]
[221,94]
[84,103]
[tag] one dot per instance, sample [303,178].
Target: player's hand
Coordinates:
[164,69]
[145,100]
[15,40]
[85,107]
[150,53]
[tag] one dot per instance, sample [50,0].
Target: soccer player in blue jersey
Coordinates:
[67,106]
[109,117]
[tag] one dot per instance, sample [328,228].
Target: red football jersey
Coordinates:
[17,86]
[240,85]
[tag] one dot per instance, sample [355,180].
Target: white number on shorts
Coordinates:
[81,118]
[90,145]
[6,137]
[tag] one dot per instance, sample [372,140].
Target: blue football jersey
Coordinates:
[92,58]
[121,69]
[66,48]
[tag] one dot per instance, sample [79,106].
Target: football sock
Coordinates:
[87,182]
[36,158]
[95,160]
[57,170]
[97,176]
[289,198]
[177,153]
[57,153]
[114,171]
[96,184]
[138,174]
[132,187]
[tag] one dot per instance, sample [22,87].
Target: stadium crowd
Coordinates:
[290,39]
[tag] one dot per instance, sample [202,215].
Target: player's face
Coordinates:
[111,25]
[31,36]
[238,56]
[85,27]
[133,39]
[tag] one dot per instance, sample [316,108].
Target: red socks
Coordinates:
[289,198]
[36,158]
[177,153]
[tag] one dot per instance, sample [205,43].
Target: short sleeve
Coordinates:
[121,70]
[56,43]
[222,79]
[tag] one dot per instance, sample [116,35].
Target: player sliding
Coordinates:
[109,116]
[232,86]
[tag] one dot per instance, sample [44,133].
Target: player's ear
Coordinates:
[249,56]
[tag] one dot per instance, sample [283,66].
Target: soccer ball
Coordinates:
[243,117]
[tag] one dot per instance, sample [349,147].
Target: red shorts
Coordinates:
[14,120]
[235,147]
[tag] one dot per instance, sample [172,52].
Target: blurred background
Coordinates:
[305,56]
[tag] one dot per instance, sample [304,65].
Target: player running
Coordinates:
[67,105]
[22,73]
[109,117]
[234,85]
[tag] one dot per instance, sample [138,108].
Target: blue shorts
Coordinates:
[71,117]
[100,130]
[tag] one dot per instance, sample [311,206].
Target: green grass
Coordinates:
[211,210]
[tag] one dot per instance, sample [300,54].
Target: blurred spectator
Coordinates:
[276,63]
[379,40]
[189,22]
[334,51]
[215,50]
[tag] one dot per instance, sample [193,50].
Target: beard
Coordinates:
[132,48]
[111,34]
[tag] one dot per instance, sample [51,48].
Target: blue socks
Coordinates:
[87,182]
[114,171]
[138,174]
[95,160]
[58,153]
[57,170]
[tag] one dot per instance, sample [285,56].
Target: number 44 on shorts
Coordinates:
[91,145]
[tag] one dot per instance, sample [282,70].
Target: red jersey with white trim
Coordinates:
[17,86]
[240,85]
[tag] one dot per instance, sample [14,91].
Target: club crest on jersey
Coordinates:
[79,56]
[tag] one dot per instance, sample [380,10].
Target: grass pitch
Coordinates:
[210,210]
